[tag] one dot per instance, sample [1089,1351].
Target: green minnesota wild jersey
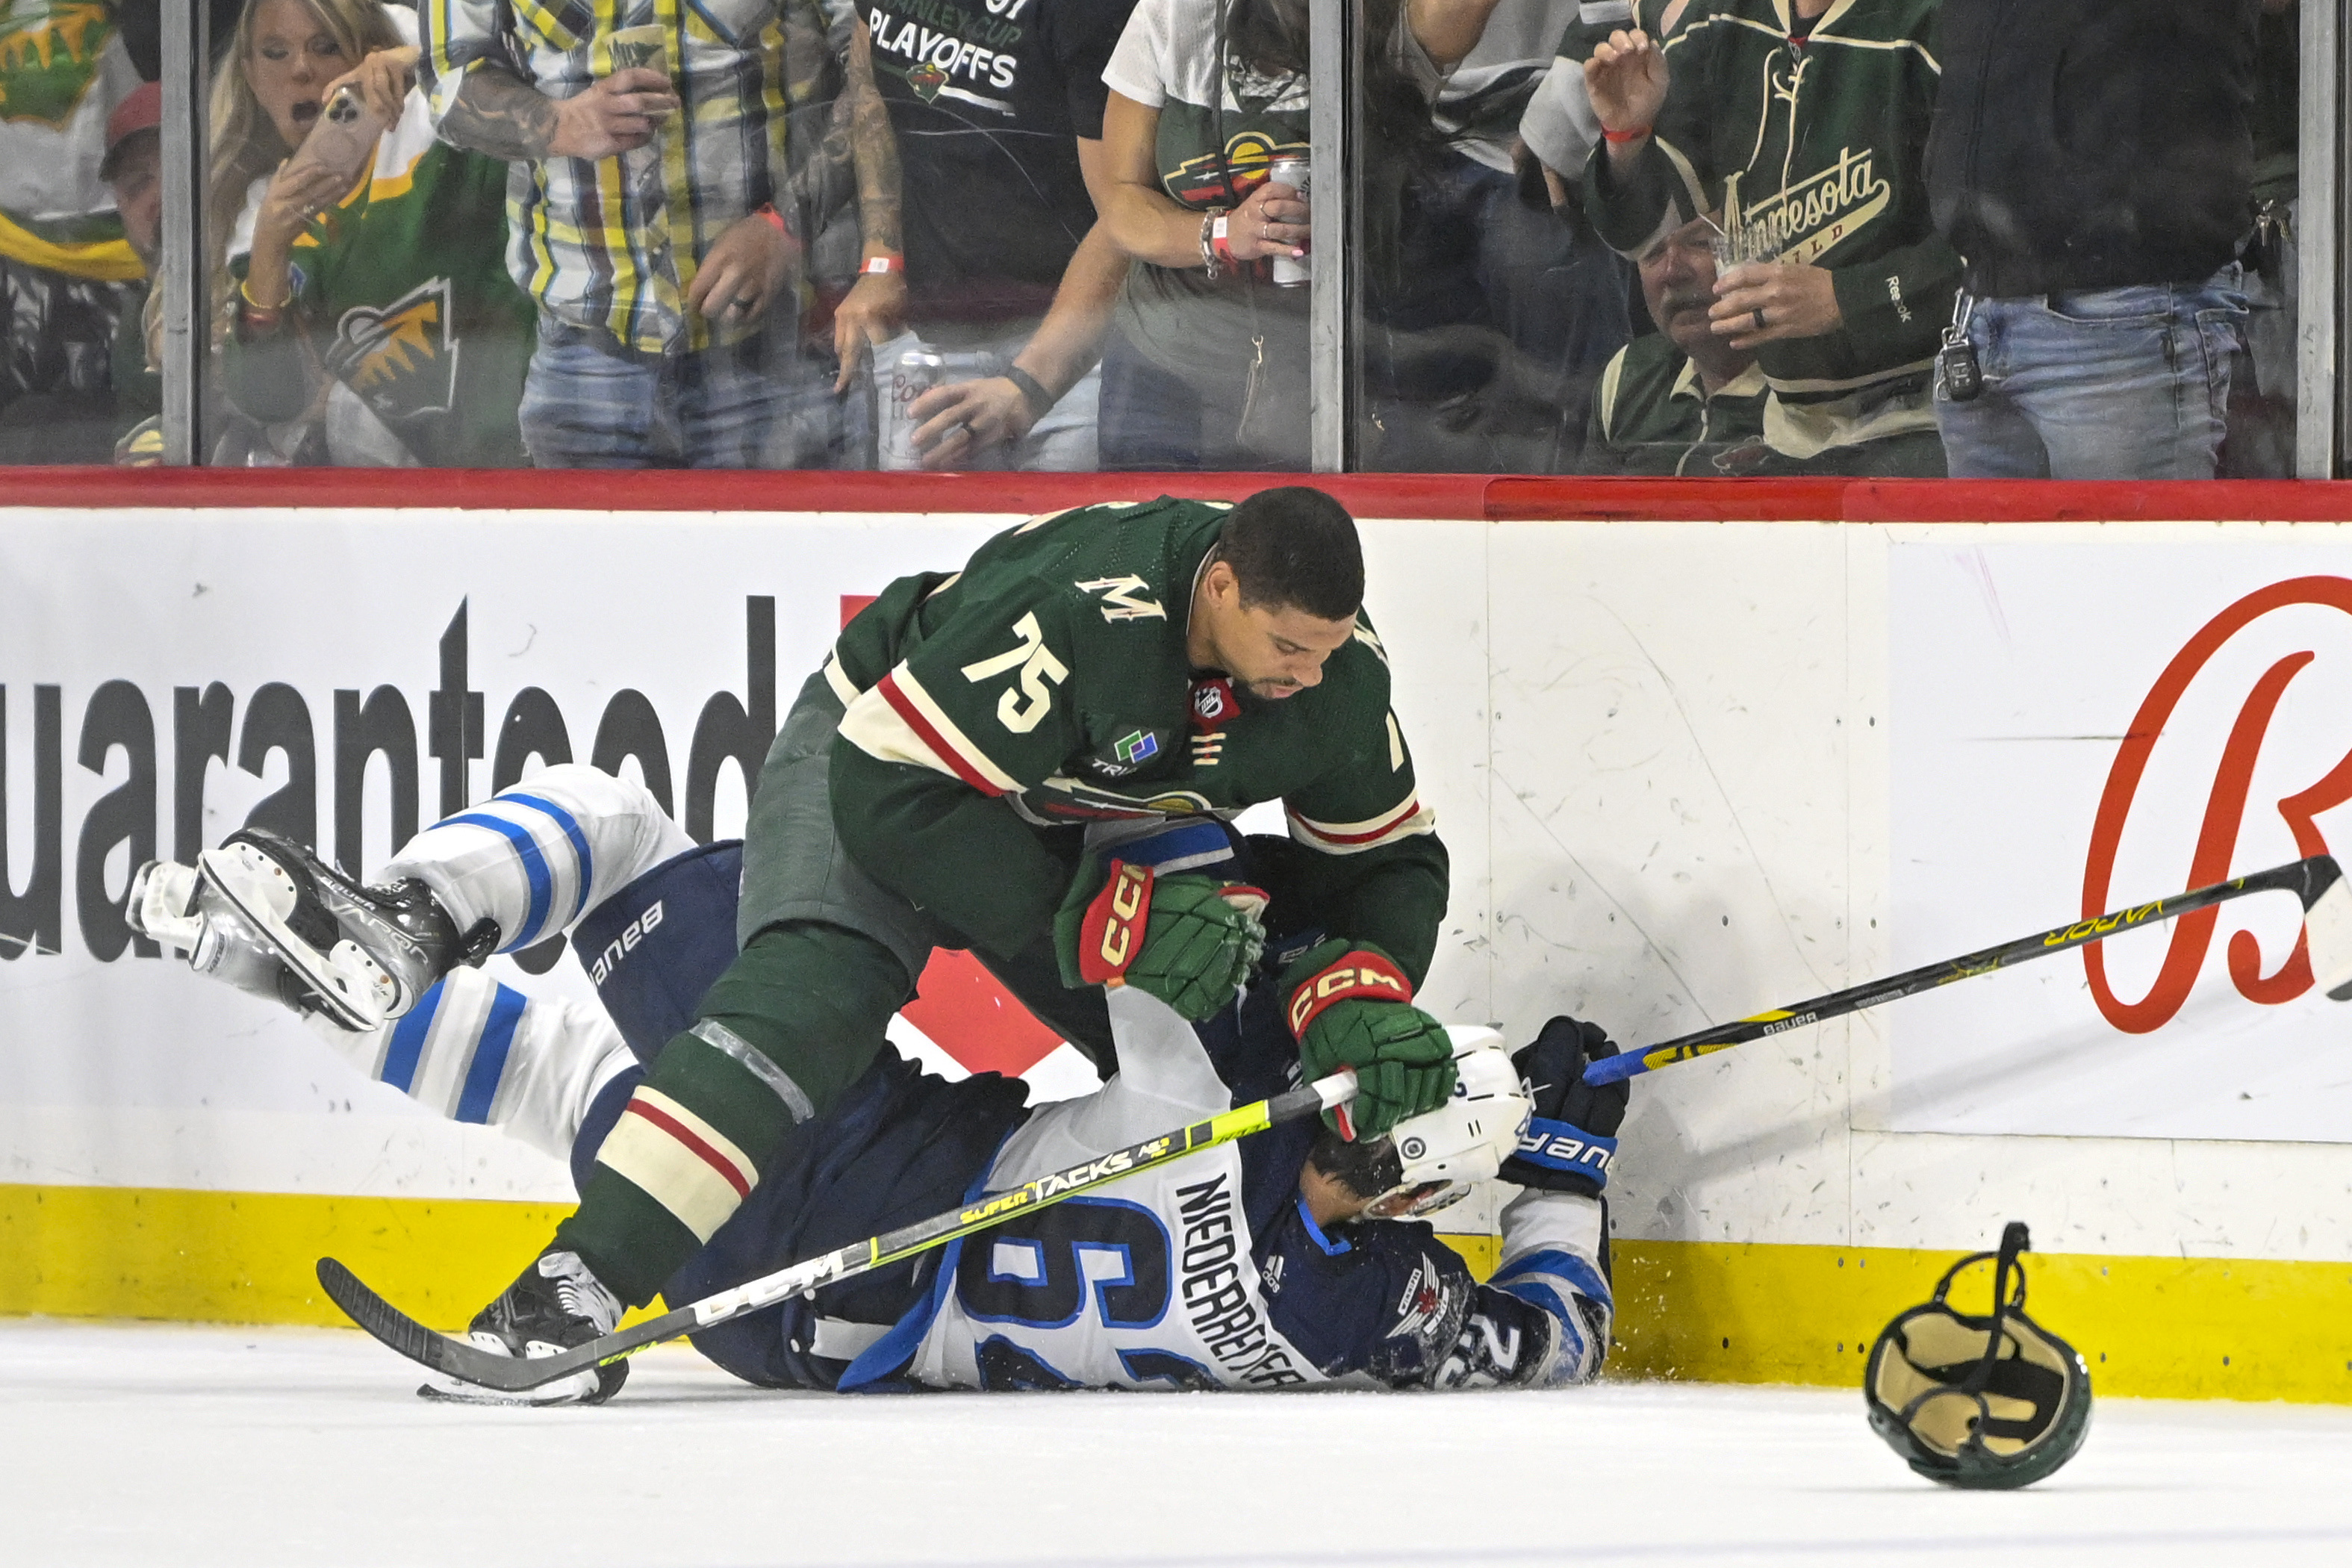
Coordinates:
[1652,415]
[402,292]
[1047,684]
[1810,145]
[63,69]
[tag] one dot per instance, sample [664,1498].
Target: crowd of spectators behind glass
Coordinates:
[1694,237]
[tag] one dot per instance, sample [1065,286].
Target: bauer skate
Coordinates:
[556,1305]
[360,956]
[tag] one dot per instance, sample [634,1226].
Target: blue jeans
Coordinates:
[2109,383]
[588,403]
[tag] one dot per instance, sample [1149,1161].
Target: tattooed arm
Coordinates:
[875,307]
[481,103]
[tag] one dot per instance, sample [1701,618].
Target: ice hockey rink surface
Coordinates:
[196,1446]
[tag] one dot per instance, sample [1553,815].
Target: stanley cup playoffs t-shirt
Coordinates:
[988,98]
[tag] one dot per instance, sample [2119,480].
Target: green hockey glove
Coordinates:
[1187,939]
[1351,1007]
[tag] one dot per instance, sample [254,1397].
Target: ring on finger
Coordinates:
[1760,318]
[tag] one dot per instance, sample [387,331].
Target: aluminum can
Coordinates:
[1291,271]
[918,368]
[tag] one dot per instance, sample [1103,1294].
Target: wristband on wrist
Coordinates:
[889,261]
[1220,240]
[772,215]
[1032,391]
[1209,253]
[252,312]
[1633,136]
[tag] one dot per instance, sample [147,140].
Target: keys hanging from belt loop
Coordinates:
[1956,362]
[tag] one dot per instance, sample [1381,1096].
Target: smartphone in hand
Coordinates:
[344,138]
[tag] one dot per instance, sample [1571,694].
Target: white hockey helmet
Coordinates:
[1443,1152]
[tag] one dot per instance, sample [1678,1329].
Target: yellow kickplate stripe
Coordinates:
[1700,1312]
[248,1257]
[2164,1328]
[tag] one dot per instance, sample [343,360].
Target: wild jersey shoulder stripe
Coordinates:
[838,679]
[1355,837]
[899,722]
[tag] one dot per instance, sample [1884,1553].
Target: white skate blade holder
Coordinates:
[350,987]
[161,905]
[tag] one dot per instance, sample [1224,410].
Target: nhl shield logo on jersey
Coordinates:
[1213,703]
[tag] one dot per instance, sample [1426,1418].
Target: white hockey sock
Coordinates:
[538,855]
[475,1050]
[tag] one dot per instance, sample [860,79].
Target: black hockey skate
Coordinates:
[360,956]
[556,1305]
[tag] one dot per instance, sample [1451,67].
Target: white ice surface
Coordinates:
[198,1447]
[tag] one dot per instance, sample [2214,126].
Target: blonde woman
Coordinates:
[366,288]
[267,92]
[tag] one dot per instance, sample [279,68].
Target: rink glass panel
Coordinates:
[1489,313]
[1484,314]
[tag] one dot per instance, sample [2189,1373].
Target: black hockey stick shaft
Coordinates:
[506,1373]
[2312,880]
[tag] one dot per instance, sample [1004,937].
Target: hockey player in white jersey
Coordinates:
[1279,1262]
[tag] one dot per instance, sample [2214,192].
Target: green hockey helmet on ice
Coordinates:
[1986,1403]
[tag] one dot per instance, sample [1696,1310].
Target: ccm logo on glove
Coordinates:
[1115,912]
[1360,976]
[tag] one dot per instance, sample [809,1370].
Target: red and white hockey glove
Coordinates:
[1188,939]
[1351,1007]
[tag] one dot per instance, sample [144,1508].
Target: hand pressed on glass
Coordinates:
[1626,80]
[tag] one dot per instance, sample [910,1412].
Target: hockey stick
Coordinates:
[2318,881]
[475,1365]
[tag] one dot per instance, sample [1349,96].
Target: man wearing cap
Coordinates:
[133,170]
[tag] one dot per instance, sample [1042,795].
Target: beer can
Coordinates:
[898,382]
[1291,271]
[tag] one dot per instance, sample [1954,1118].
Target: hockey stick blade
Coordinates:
[472,1363]
[2328,926]
[2318,882]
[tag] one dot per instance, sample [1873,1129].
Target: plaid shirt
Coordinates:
[612,243]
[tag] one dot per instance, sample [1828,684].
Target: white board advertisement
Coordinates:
[2077,727]
[345,677]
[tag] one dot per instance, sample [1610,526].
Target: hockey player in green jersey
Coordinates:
[960,774]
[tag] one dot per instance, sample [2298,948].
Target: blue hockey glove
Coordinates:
[1571,1137]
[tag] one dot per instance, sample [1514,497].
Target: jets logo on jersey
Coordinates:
[1123,598]
[403,358]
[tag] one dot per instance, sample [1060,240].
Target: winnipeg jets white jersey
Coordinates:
[1154,1287]
[1150,1286]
